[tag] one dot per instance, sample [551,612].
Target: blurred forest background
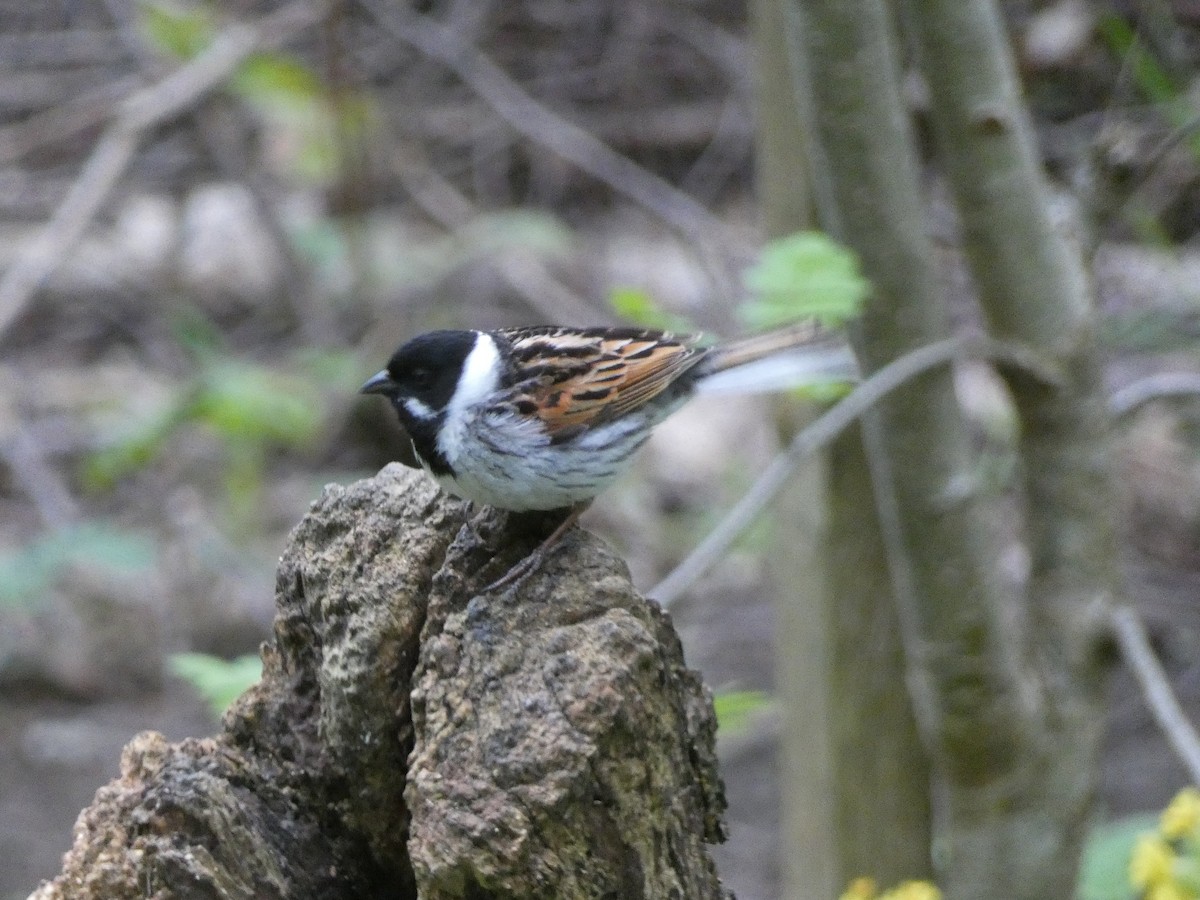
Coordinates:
[216,220]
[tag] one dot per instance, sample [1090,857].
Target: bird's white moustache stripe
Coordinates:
[480,373]
[418,409]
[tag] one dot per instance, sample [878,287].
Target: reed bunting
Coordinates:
[547,417]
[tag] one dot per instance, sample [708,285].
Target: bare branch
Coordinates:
[1135,647]
[827,427]
[26,460]
[38,259]
[139,112]
[525,272]
[534,120]
[60,122]
[1133,396]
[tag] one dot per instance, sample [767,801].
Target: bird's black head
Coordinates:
[420,379]
[422,375]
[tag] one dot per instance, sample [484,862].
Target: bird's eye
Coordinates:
[421,378]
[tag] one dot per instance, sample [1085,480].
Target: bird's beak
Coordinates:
[379,383]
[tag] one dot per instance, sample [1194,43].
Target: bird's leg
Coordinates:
[527,566]
[469,514]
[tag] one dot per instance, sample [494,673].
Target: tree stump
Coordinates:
[412,737]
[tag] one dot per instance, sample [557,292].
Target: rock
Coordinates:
[225,249]
[1058,34]
[413,736]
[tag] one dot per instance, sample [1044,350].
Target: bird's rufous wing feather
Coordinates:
[576,378]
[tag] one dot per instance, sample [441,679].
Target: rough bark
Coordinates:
[412,737]
[882,772]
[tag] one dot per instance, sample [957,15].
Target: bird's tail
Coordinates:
[795,356]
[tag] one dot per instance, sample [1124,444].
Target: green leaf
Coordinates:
[1152,331]
[637,306]
[823,392]
[734,708]
[323,243]
[181,33]
[134,449]
[196,332]
[113,548]
[1104,868]
[519,229]
[805,275]
[1149,75]
[245,402]
[32,570]
[338,370]
[275,78]
[217,680]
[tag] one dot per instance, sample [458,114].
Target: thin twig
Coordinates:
[38,259]
[61,122]
[1135,647]
[730,146]
[43,485]
[902,578]
[216,124]
[824,429]
[1154,387]
[220,127]
[137,114]
[534,120]
[525,272]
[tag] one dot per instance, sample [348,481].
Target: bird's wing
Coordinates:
[575,378]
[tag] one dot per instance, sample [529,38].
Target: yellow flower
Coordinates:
[1168,891]
[859,889]
[1150,864]
[913,890]
[1182,817]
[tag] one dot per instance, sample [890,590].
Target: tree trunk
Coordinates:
[1012,816]
[1006,685]
[411,736]
[808,853]
[1034,289]
[882,771]
[851,756]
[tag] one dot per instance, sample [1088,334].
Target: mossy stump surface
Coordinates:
[413,737]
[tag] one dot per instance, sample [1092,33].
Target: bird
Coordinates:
[547,417]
